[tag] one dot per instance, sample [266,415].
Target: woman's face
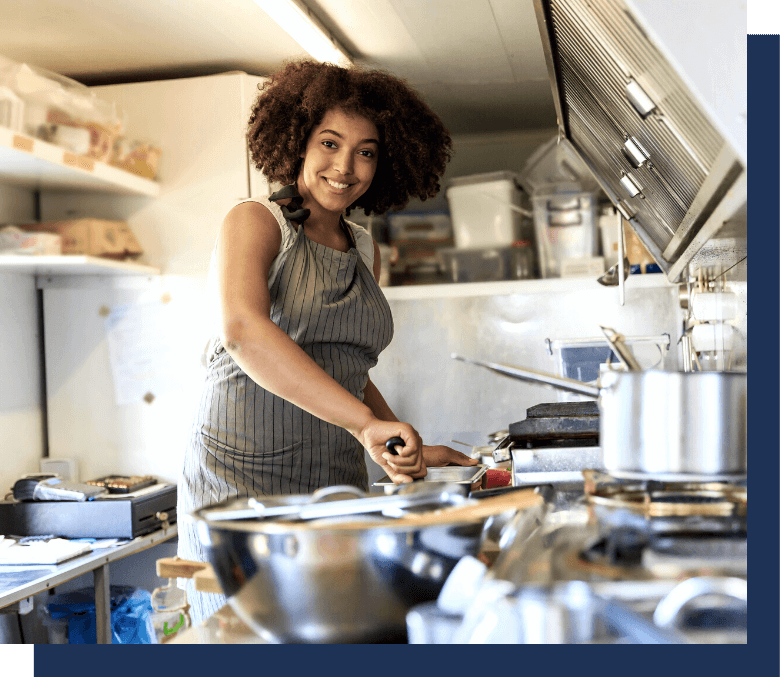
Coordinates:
[340,160]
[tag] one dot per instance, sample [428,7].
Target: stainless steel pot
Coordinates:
[670,426]
[342,579]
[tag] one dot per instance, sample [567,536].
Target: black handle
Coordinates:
[392,442]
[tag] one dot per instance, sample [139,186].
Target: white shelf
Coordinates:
[72,265]
[33,163]
[573,284]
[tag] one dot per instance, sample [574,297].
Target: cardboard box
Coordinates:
[92,237]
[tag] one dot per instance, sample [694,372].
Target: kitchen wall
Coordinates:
[21,395]
[449,400]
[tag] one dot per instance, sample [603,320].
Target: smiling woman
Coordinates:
[413,142]
[288,406]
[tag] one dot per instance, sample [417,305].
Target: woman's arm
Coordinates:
[248,242]
[433,456]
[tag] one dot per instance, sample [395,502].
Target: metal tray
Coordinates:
[457,474]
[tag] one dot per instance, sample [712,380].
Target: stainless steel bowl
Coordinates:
[342,579]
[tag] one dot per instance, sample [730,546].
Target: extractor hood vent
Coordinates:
[632,118]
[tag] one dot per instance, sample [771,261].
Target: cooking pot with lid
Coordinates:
[664,425]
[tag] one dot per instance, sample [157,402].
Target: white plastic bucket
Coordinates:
[481,208]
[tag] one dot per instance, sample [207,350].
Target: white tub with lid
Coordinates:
[484,209]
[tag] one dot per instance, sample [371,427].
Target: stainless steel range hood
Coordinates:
[653,96]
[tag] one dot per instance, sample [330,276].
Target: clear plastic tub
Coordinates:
[488,264]
[565,225]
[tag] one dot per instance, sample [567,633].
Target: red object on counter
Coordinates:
[498,477]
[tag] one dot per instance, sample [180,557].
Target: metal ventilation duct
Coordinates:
[674,170]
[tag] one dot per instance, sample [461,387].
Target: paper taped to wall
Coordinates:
[143,359]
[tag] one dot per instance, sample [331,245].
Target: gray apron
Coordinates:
[247,441]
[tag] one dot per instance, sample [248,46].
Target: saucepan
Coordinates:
[664,425]
[338,566]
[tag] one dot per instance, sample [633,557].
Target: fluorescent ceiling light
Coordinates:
[295,18]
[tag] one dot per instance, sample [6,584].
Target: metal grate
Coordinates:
[600,48]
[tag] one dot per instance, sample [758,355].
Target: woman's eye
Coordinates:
[367,153]
[329,144]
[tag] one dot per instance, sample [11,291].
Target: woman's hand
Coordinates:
[408,464]
[441,455]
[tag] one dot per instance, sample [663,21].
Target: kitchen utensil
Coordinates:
[662,425]
[611,278]
[618,343]
[342,579]
[313,509]
[394,442]
[457,474]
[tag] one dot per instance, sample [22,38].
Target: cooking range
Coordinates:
[608,559]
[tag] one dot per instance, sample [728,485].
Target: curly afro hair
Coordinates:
[414,144]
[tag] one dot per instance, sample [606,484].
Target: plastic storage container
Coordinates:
[488,264]
[486,210]
[585,359]
[420,226]
[566,228]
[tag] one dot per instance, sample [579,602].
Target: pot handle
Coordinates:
[533,376]
[324,492]
[669,611]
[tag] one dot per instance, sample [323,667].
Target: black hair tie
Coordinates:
[293,211]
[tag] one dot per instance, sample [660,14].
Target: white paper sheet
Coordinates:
[141,351]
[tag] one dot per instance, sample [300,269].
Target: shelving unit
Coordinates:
[72,265]
[36,164]
[461,289]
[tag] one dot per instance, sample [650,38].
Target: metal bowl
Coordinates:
[336,580]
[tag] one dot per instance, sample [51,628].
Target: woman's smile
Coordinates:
[337,186]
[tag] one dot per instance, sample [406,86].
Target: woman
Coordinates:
[288,406]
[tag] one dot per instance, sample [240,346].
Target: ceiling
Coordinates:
[478,63]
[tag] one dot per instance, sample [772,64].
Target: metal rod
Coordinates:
[686,353]
[621,262]
[102,605]
[533,376]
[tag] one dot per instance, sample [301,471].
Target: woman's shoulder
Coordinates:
[260,206]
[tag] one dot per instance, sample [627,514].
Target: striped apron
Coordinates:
[247,441]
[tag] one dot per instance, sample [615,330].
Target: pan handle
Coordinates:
[533,376]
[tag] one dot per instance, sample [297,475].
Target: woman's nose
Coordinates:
[344,163]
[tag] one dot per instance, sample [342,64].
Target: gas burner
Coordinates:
[692,509]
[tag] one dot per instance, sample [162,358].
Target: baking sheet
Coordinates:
[451,473]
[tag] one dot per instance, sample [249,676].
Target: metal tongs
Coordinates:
[391,505]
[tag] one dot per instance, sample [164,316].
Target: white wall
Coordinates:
[21,408]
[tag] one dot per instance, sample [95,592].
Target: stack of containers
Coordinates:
[493,229]
[565,210]
[415,239]
[55,109]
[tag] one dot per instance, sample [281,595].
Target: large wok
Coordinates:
[664,425]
